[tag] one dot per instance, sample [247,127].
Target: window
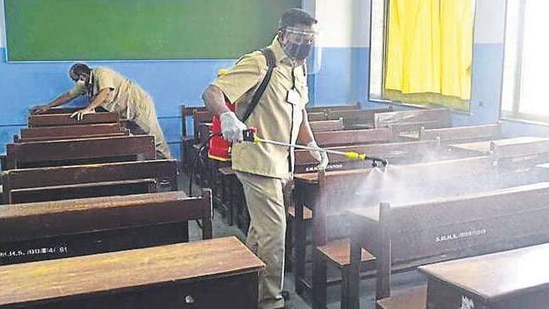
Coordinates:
[526,62]
[421,52]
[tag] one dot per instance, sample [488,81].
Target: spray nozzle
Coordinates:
[352,155]
[375,161]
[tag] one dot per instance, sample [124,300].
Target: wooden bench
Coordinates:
[74,151]
[358,119]
[60,110]
[101,224]
[18,183]
[48,120]
[395,153]
[512,151]
[513,279]
[399,184]
[329,108]
[413,120]
[68,132]
[462,133]
[67,110]
[349,137]
[418,233]
[326,125]
[200,116]
[84,190]
[216,273]
[316,116]
[522,153]
[187,140]
[340,190]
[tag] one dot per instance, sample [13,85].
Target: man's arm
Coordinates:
[214,99]
[305,135]
[231,126]
[62,99]
[97,101]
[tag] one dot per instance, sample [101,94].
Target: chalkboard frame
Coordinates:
[103,30]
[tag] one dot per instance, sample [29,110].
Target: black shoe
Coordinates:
[286,295]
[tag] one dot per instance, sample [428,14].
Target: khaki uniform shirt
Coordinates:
[127,98]
[274,117]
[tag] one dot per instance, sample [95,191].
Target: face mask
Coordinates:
[297,51]
[80,83]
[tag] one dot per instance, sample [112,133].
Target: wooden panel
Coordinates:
[407,152]
[348,137]
[463,133]
[494,280]
[82,190]
[326,125]
[99,224]
[358,119]
[87,279]
[65,119]
[417,233]
[23,154]
[72,130]
[435,118]
[66,175]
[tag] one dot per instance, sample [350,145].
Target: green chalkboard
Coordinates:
[58,30]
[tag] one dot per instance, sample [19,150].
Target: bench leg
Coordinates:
[289,244]
[345,288]
[319,281]
[300,238]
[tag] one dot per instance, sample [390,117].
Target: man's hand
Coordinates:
[39,109]
[80,114]
[231,127]
[319,155]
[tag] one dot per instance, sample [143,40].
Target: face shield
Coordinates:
[300,44]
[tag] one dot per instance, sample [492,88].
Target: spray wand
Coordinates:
[251,136]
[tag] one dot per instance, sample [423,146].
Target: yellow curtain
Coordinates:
[429,52]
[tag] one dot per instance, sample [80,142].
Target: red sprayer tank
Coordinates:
[220,149]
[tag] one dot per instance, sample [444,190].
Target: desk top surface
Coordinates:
[497,275]
[125,269]
[484,146]
[79,205]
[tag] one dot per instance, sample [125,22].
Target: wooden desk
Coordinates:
[483,147]
[217,273]
[65,119]
[413,234]
[99,225]
[510,279]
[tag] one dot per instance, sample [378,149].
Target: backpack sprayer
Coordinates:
[250,135]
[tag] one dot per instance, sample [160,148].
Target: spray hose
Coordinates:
[251,136]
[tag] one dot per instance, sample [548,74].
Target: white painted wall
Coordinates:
[489,21]
[343,23]
[2,35]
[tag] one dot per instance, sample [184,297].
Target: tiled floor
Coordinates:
[400,281]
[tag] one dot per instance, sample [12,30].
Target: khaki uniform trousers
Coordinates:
[146,122]
[267,200]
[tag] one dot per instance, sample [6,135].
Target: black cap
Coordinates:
[294,17]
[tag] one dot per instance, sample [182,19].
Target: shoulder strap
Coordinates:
[271,64]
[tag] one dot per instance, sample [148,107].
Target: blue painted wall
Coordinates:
[342,79]
[171,83]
